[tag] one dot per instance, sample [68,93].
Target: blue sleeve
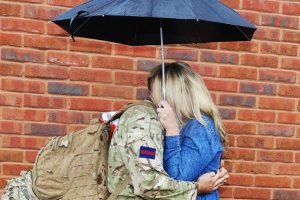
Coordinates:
[187,160]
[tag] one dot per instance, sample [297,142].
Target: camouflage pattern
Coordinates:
[138,127]
[19,188]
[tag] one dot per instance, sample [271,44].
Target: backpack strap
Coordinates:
[120,188]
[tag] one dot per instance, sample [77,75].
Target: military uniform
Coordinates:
[137,150]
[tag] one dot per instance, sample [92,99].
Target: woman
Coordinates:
[194,131]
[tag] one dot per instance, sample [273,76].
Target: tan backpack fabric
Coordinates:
[74,166]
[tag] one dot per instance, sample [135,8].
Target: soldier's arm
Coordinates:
[144,160]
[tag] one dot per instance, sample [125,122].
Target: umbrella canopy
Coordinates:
[136,22]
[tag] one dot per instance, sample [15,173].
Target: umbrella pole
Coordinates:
[162,63]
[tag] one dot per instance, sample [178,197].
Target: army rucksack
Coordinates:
[74,166]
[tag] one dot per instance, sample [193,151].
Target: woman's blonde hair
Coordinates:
[186,93]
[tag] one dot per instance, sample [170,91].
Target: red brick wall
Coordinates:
[50,86]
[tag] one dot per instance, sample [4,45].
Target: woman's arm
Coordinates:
[186,161]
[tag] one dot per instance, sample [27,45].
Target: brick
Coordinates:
[253,167]
[286,194]
[227,113]
[205,69]
[276,130]
[91,75]
[41,12]
[36,101]
[276,103]
[288,144]
[211,45]
[288,118]
[23,25]
[15,169]
[289,90]
[240,180]
[240,46]
[147,65]
[34,142]
[45,42]
[18,85]
[68,117]
[291,8]
[142,94]
[286,169]
[280,21]
[251,193]
[232,3]
[68,59]
[30,1]
[48,71]
[290,63]
[76,127]
[11,99]
[30,156]
[90,104]
[251,16]
[8,9]
[66,3]
[10,39]
[220,85]
[23,114]
[238,72]
[256,115]
[68,89]
[272,34]
[250,141]
[87,45]
[112,62]
[21,55]
[275,156]
[11,127]
[53,29]
[258,88]
[10,69]
[279,49]
[44,129]
[224,58]
[240,128]
[225,192]
[243,154]
[11,156]
[235,100]
[296,182]
[130,78]
[263,6]
[272,182]
[291,36]
[120,104]
[112,91]
[259,60]
[181,54]
[277,76]
[136,51]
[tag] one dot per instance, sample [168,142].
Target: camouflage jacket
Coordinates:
[137,149]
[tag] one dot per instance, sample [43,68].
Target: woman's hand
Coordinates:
[167,118]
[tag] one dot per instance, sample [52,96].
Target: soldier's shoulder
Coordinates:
[144,109]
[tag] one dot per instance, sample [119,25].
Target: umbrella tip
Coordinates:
[73,39]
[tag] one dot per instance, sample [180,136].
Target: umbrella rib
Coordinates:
[81,25]
[242,32]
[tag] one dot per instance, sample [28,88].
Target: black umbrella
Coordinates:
[153,22]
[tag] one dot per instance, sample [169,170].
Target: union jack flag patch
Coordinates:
[147,152]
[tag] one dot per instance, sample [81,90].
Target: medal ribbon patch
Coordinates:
[147,152]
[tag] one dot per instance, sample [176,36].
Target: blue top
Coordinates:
[197,150]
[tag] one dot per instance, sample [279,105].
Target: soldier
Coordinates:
[136,151]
